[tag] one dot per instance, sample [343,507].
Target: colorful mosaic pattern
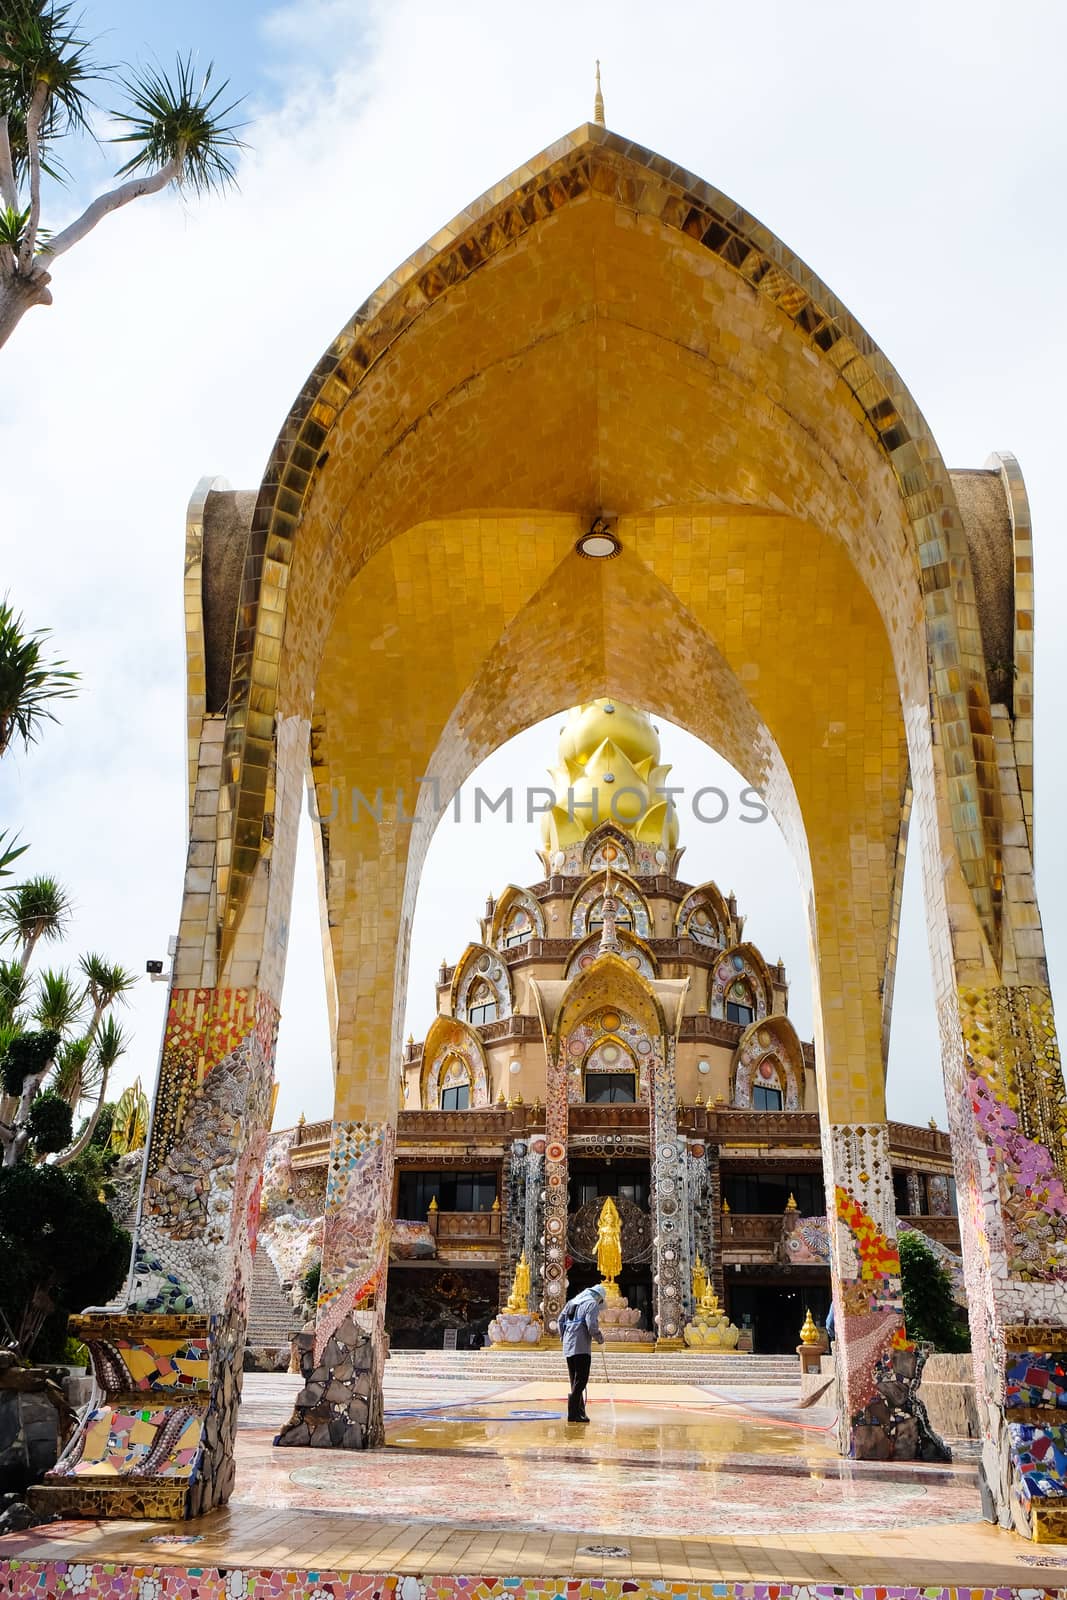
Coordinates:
[627,894]
[171,1364]
[115,1442]
[31,1580]
[203,1027]
[1039,1452]
[741,965]
[1036,1379]
[869,1304]
[602,1027]
[355,1240]
[557,1120]
[670,1203]
[808,1243]
[769,1053]
[481,966]
[449,1040]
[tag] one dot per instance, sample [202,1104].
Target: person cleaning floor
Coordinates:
[579,1325]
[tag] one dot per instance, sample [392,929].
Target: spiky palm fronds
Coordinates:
[38,909]
[57,1002]
[180,119]
[9,853]
[14,989]
[29,684]
[73,1077]
[41,49]
[105,982]
[111,1042]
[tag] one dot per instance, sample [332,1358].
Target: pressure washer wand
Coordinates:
[611,1397]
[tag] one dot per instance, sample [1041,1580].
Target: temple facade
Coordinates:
[612,1032]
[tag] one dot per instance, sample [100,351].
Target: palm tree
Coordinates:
[37,909]
[178,124]
[111,1043]
[29,684]
[14,990]
[73,1077]
[57,1002]
[105,983]
[9,852]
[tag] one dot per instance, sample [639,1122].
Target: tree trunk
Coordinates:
[17,295]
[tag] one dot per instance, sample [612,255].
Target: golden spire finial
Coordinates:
[598,101]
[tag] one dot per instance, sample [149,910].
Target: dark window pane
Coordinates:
[738,1013]
[458,1098]
[765,1099]
[609,1088]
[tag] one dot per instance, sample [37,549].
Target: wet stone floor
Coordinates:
[665,1460]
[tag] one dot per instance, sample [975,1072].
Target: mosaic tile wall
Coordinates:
[671,1285]
[554,1249]
[30,1580]
[340,1404]
[291,1210]
[1008,1119]
[868,1306]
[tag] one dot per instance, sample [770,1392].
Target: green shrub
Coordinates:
[25,1056]
[60,1250]
[930,1312]
[310,1282]
[50,1123]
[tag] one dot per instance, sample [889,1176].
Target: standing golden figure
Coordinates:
[609,1243]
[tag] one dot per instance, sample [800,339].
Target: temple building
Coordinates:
[610,1032]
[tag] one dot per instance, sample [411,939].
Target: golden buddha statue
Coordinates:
[700,1280]
[609,1242]
[520,1288]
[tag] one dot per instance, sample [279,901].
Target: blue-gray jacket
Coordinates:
[579,1323]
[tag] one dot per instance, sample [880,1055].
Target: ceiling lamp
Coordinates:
[599,544]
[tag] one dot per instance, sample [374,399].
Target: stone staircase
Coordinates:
[518,1366]
[271,1319]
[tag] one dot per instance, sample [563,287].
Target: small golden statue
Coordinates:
[520,1288]
[700,1280]
[609,1242]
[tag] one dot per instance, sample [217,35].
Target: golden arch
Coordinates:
[807,559]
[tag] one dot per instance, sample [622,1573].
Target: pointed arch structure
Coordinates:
[451,1039]
[636,952]
[481,966]
[628,894]
[513,902]
[706,898]
[740,963]
[610,835]
[875,641]
[606,1001]
[772,1043]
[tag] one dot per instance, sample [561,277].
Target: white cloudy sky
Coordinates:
[915,159]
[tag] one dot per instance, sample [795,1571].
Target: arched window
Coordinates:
[611,1088]
[623,914]
[740,1003]
[455,1093]
[517,929]
[610,1074]
[767,1087]
[481,1003]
